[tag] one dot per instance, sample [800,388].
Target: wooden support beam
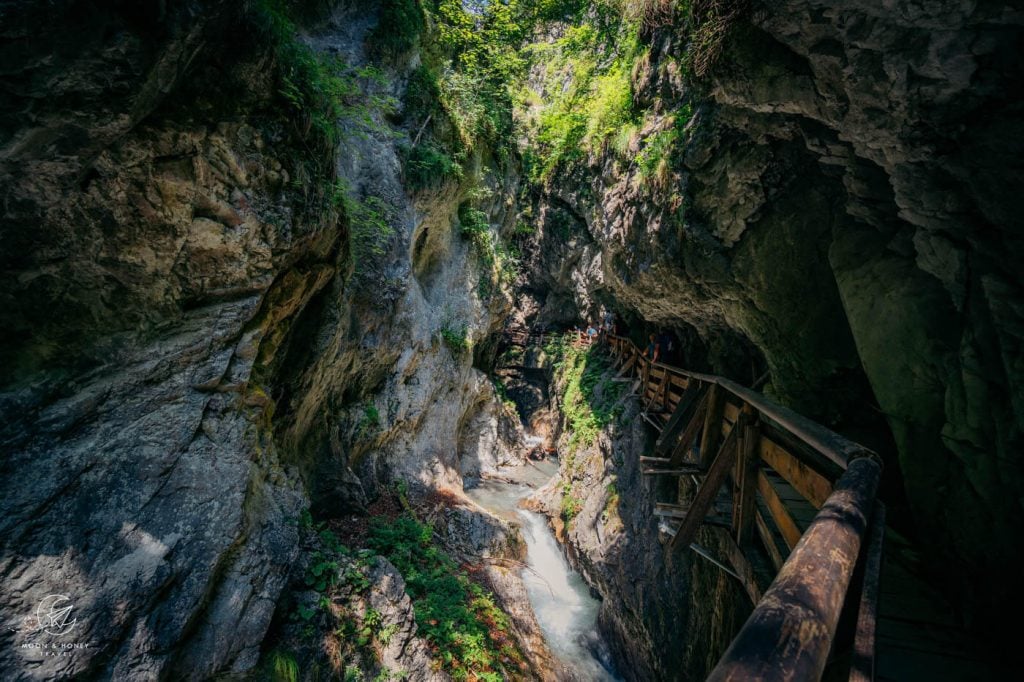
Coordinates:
[627,367]
[652,421]
[663,390]
[768,540]
[684,471]
[744,503]
[671,433]
[706,493]
[813,486]
[783,521]
[682,446]
[712,423]
[654,460]
[742,566]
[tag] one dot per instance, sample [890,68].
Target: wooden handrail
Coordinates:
[823,441]
[793,626]
[789,634]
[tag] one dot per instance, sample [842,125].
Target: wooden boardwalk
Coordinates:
[783,492]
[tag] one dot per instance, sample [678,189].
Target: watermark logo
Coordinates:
[53,615]
[44,631]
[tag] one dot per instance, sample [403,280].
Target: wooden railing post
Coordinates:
[712,424]
[789,634]
[744,506]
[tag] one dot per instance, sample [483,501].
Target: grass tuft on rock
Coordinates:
[470,634]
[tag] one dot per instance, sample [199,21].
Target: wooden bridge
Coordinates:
[793,508]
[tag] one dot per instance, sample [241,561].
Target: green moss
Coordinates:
[456,337]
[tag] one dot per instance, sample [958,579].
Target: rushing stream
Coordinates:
[566,611]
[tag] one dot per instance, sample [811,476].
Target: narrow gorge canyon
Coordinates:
[316,315]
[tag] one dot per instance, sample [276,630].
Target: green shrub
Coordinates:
[455,614]
[422,95]
[283,667]
[570,505]
[589,398]
[398,28]
[426,166]
[456,337]
[369,221]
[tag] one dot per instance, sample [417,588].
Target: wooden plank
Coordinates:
[862,666]
[712,417]
[670,511]
[675,424]
[768,541]
[654,460]
[746,479]
[682,446]
[783,521]
[813,486]
[706,493]
[680,381]
[730,412]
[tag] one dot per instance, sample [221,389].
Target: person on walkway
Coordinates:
[665,347]
[652,348]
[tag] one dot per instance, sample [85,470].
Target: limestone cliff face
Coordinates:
[191,353]
[838,209]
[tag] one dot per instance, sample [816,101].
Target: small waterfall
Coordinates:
[562,602]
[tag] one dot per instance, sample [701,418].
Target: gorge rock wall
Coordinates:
[192,353]
[837,206]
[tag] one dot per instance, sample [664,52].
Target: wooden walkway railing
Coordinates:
[523,337]
[793,504]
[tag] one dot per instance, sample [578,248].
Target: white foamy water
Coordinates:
[565,609]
